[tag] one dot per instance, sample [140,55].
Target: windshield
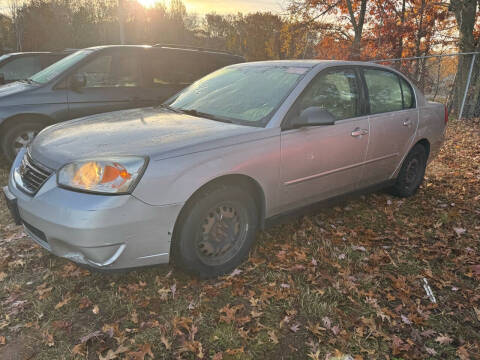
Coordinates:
[244,94]
[59,67]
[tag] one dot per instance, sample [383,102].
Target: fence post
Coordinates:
[474,57]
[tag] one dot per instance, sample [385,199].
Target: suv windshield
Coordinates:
[241,94]
[59,67]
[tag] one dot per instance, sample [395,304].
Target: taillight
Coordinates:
[446,114]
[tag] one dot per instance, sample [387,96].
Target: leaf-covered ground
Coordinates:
[344,280]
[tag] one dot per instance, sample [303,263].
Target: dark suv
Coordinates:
[22,65]
[97,80]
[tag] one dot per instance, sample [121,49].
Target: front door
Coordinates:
[393,123]
[324,161]
[112,83]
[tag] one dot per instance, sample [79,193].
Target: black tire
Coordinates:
[412,172]
[8,141]
[193,248]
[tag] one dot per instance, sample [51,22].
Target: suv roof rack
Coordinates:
[198,48]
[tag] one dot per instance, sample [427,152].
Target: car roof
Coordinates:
[311,63]
[172,47]
[27,53]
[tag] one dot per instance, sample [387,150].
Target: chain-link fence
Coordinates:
[452,79]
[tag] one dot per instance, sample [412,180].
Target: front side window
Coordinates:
[21,68]
[384,91]
[244,94]
[111,71]
[58,68]
[336,91]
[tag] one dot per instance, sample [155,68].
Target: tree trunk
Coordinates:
[465,14]
[357,25]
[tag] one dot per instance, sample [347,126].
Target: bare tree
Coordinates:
[14,10]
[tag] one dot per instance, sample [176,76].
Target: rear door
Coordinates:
[113,79]
[320,162]
[393,123]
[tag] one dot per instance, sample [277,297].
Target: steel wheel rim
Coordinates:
[23,140]
[222,233]
[412,172]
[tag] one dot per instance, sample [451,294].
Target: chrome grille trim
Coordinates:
[30,175]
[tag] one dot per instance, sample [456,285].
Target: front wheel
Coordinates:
[18,136]
[412,172]
[216,232]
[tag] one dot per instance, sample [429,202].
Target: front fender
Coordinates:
[175,180]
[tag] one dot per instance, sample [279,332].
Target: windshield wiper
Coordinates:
[194,112]
[168,107]
[28,81]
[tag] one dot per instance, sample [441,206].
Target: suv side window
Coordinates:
[21,68]
[384,91]
[111,71]
[408,95]
[173,67]
[336,91]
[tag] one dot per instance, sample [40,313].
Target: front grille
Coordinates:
[32,174]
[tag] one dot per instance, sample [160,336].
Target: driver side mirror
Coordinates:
[314,116]
[78,81]
[2,79]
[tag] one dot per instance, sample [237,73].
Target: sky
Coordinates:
[202,7]
[233,6]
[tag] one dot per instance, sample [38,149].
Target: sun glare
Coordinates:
[148,3]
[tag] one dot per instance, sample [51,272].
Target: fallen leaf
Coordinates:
[273,337]
[406,320]
[443,339]
[165,342]
[144,350]
[96,310]
[462,353]
[295,327]
[114,354]
[64,302]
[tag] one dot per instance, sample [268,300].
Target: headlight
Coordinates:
[113,175]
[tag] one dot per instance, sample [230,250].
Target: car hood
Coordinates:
[154,132]
[12,89]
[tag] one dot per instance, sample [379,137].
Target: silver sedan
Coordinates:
[194,179]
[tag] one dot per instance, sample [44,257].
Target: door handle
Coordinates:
[359,132]
[407,122]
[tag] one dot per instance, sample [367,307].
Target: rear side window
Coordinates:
[171,67]
[21,68]
[408,96]
[384,91]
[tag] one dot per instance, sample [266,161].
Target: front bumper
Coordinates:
[108,232]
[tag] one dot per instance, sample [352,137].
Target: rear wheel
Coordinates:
[18,136]
[216,232]
[412,172]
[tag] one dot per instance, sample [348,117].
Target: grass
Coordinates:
[343,280]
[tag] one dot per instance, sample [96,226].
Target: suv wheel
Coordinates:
[18,136]
[216,232]
[412,172]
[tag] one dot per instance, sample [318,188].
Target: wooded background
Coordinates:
[324,29]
